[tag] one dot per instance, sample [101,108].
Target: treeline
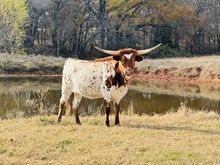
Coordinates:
[71,27]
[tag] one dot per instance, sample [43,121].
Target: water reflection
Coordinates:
[24,97]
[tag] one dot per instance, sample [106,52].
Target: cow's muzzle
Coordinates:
[128,72]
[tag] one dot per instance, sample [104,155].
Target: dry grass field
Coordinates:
[14,64]
[182,137]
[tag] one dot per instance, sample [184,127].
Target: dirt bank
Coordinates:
[195,70]
[24,65]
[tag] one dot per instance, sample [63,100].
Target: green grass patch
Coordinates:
[179,156]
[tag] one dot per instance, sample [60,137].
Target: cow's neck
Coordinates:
[118,79]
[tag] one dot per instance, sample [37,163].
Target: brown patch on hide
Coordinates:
[119,78]
[109,58]
[109,81]
[128,51]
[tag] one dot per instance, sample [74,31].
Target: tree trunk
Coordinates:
[54,36]
[101,22]
[54,41]
[31,36]
[218,42]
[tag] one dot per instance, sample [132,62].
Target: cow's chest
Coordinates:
[114,93]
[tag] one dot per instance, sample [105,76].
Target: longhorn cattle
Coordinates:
[105,78]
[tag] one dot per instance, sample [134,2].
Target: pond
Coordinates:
[25,97]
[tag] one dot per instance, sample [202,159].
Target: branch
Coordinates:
[90,8]
[137,6]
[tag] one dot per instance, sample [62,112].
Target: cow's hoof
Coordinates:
[78,123]
[107,124]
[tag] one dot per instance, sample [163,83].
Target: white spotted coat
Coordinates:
[88,79]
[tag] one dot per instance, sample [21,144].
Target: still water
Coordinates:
[25,97]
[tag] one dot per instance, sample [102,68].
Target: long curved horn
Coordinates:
[140,52]
[111,52]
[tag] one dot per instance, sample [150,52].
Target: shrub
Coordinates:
[165,51]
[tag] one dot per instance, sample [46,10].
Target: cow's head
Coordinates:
[127,57]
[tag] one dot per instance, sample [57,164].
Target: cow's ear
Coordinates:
[139,58]
[117,58]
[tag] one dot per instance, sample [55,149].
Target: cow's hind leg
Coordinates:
[76,101]
[64,101]
[61,107]
[67,104]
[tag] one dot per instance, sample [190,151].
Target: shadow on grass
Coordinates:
[69,121]
[173,128]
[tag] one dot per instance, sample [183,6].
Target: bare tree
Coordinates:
[70,27]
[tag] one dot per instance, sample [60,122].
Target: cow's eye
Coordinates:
[117,58]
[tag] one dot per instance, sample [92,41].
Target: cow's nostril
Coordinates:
[128,72]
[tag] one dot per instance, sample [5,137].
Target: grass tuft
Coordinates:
[45,121]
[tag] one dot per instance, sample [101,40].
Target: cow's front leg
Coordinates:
[76,101]
[107,107]
[117,110]
[76,114]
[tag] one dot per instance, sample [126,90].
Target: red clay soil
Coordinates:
[161,76]
[164,77]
